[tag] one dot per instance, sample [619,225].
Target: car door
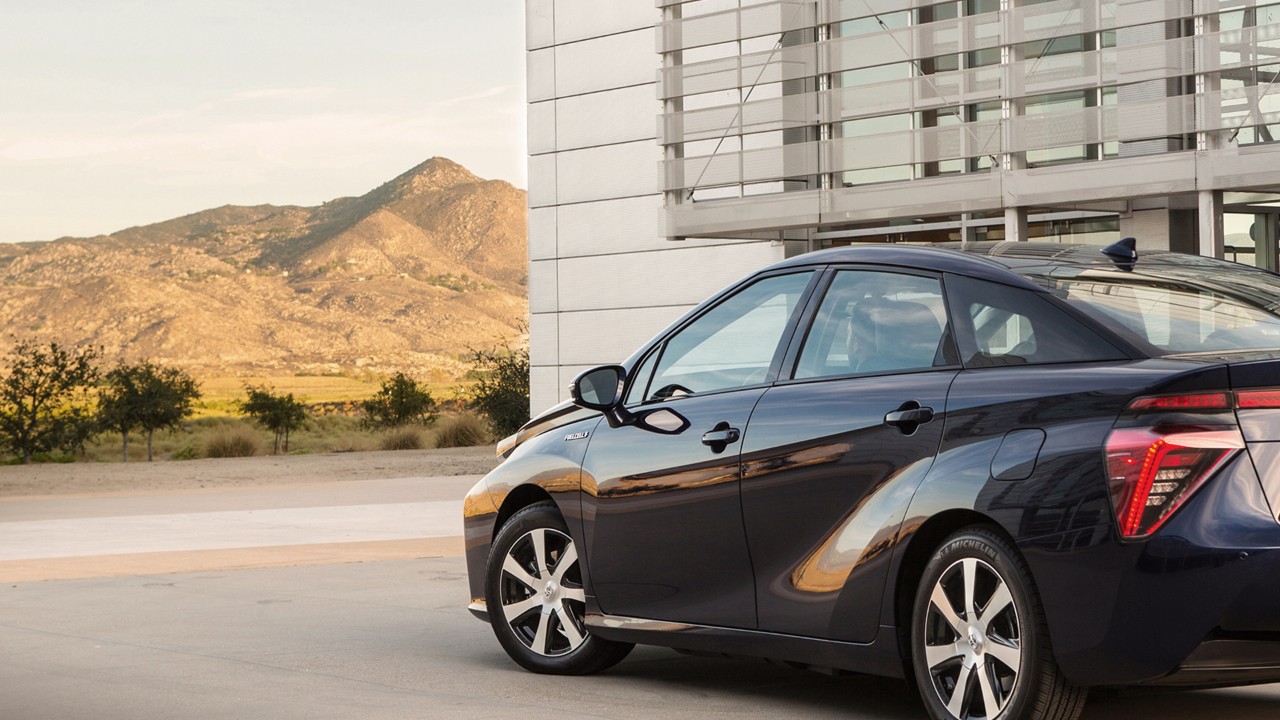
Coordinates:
[662,516]
[833,454]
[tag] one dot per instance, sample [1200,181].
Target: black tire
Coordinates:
[991,647]
[536,601]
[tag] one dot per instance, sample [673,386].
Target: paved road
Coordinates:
[352,624]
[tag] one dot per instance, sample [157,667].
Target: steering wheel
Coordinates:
[672,390]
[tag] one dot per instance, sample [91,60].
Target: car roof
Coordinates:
[1005,262]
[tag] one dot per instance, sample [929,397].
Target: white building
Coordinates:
[676,146]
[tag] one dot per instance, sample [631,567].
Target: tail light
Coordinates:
[1154,468]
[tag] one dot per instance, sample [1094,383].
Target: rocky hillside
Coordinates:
[406,277]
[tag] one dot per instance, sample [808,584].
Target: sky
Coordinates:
[116,113]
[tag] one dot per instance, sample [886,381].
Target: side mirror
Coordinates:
[599,388]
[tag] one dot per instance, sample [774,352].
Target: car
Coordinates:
[1005,472]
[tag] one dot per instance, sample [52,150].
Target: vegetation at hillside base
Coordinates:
[501,389]
[145,396]
[57,404]
[278,412]
[45,399]
[400,401]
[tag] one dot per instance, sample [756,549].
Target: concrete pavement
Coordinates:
[350,628]
[267,526]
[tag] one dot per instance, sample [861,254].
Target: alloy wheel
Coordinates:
[973,640]
[541,591]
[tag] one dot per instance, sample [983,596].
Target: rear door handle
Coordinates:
[909,417]
[720,437]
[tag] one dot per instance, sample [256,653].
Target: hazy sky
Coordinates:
[116,113]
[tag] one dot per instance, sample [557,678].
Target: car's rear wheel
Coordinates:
[536,599]
[979,644]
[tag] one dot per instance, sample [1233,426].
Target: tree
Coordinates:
[281,414]
[400,401]
[501,390]
[145,396]
[44,398]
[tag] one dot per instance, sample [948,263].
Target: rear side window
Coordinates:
[1174,316]
[1001,325]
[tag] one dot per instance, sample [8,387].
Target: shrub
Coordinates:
[232,442]
[400,401]
[464,430]
[279,413]
[404,438]
[44,402]
[190,451]
[501,390]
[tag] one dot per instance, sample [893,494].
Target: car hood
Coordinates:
[557,416]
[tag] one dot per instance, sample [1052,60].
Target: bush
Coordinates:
[279,413]
[501,390]
[404,438]
[465,430]
[44,399]
[190,451]
[400,402]
[232,442]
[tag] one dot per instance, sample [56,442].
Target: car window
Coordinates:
[731,345]
[876,322]
[1175,317]
[636,392]
[1012,326]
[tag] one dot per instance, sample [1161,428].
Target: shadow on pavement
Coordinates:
[799,693]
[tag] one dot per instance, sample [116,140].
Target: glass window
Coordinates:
[640,379]
[1011,326]
[876,322]
[1173,315]
[731,345]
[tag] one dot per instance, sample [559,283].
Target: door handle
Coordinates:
[909,417]
[720,437]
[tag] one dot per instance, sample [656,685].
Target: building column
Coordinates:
[1264,232]
[1015,224]
[1210,223]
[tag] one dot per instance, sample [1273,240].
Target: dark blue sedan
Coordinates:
[1007,473]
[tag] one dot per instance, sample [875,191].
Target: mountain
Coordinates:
[406,277]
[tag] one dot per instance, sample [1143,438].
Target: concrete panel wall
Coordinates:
[584,19]
[542,127]
[676,276]
[542,180]
[542,286]
[606,63]
[542,233]
[540,75]
[607,117]
[610,336]
[608,171]
[539,19]
[603,278]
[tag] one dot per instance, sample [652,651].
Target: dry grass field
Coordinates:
[220,394]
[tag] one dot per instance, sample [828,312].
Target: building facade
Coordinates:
[676,146]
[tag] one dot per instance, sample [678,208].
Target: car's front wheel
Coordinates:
[979,644]
[536,599]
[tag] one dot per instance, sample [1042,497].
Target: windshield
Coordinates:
[1175,310]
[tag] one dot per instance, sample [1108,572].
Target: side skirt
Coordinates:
[878,657]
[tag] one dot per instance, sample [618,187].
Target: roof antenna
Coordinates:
[1124,253]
